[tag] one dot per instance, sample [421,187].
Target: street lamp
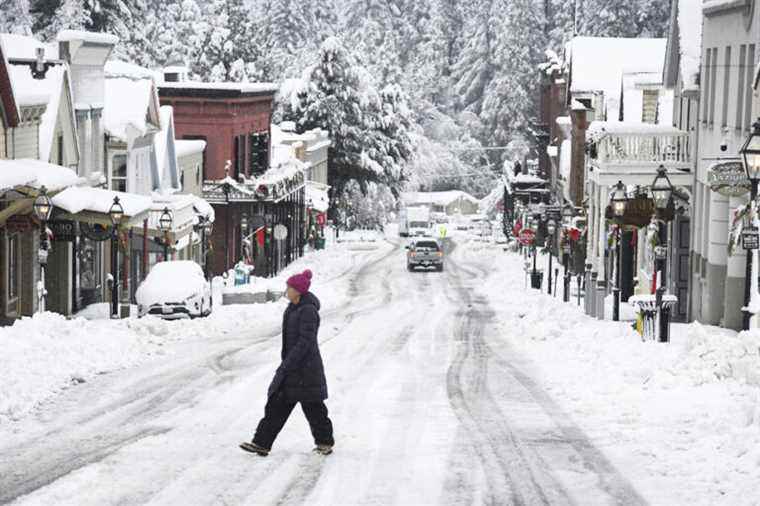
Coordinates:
[551,229]
[662,193]
[116,213]
[662,189]
[751,155]
[165,225]
[42,210]
[618,202]
[567,217]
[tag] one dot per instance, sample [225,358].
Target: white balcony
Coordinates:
[635,151]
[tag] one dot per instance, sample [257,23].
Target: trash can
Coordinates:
[536,279]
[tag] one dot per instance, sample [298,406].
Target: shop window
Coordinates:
[119,173]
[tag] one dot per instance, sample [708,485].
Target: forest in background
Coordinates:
[409,89]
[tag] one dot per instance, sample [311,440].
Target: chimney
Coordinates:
[86,54]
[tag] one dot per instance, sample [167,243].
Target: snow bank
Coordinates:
[682,420]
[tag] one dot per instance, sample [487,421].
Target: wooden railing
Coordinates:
[655,148]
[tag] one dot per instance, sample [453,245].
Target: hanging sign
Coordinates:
[728,179]
[750,238]
[660,252]
[527,237]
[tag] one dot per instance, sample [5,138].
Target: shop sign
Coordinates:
[660,252]
[64,231]
[750,238]
[728,179]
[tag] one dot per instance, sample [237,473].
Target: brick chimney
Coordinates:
[578,152]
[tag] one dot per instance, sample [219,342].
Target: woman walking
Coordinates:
[300,378]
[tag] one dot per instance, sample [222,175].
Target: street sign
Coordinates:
[280,232]
[750,238]
[527,237]
[660,252]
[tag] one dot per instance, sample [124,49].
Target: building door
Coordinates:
[680,267]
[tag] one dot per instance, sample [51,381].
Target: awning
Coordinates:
[182,212]
[92,205]
[15,174]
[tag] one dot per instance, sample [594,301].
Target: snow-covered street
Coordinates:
[431,401]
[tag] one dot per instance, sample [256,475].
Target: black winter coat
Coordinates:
[301,375]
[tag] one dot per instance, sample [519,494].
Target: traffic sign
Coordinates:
[750,238]
[280,232]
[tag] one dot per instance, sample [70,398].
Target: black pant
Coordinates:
[278,410]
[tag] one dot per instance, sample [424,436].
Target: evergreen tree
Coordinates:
[15,17]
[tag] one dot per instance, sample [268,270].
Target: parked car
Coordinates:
[424,252]
[174,290]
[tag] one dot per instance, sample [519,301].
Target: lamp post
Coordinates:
[567,217]
[42,210]
[165,225]
[618,201]
[116,213]
[662,193]
[751,155]
[551,229]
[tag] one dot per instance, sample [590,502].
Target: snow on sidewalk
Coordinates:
[46,354]
[681,420]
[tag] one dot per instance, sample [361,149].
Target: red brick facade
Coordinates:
[221,122]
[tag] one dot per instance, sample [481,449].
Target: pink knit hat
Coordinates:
[300,282]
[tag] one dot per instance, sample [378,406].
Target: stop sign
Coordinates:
[526,237]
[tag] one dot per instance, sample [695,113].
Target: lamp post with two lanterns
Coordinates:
[116,213]
[42,210]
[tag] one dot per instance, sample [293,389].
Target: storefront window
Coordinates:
[89,268]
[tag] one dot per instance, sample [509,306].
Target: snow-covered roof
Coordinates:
[185,147]
[49,91]
[129,94]
[92,37]
[239,87]
[84,198]
[525,179]
[437,198]
[598,63]
[36,174]
[689,41]
[166,157]
[24,47]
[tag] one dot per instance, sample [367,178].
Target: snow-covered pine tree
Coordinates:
[70,15]
[509,99]
[15,17]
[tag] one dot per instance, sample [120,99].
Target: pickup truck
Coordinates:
[424,252]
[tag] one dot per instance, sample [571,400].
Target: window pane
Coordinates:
[713,78]
[740,87]
[119,166]
[726,86]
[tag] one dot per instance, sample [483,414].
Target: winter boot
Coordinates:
[323,449]
[254,448]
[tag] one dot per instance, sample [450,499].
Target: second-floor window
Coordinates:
[259,153]
[119,173]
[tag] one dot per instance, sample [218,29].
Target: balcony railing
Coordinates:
[667,149]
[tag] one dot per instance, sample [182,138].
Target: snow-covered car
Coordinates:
[424,252]
[174,290]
